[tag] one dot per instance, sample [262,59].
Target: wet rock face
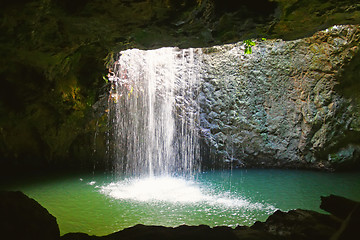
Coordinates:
[54,52]
[280,105]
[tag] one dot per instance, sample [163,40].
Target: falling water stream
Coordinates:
[154,112]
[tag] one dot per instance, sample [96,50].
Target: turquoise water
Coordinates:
[100,204]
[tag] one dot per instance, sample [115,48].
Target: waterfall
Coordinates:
[154,112]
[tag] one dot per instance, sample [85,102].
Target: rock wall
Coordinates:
[284,104]
[54,53]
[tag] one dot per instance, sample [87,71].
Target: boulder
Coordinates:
[22,217]
[299,224]
[342,224]
[347,210]
[338,206]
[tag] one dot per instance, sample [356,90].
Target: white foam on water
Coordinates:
[175,190]
[91,183]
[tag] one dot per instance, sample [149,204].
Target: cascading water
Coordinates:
[154,112]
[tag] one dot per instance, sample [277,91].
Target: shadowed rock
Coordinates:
[348,211]
[299,224]
[182,232]
[338,206]
[23,218]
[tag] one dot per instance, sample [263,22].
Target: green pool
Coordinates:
[100,204]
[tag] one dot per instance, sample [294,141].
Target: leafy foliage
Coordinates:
[248,46]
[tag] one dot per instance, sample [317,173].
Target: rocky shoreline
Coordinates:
[24,218]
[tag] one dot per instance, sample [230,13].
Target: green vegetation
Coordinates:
[105,79]
[248,46]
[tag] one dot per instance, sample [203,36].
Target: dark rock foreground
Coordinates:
[23,218]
